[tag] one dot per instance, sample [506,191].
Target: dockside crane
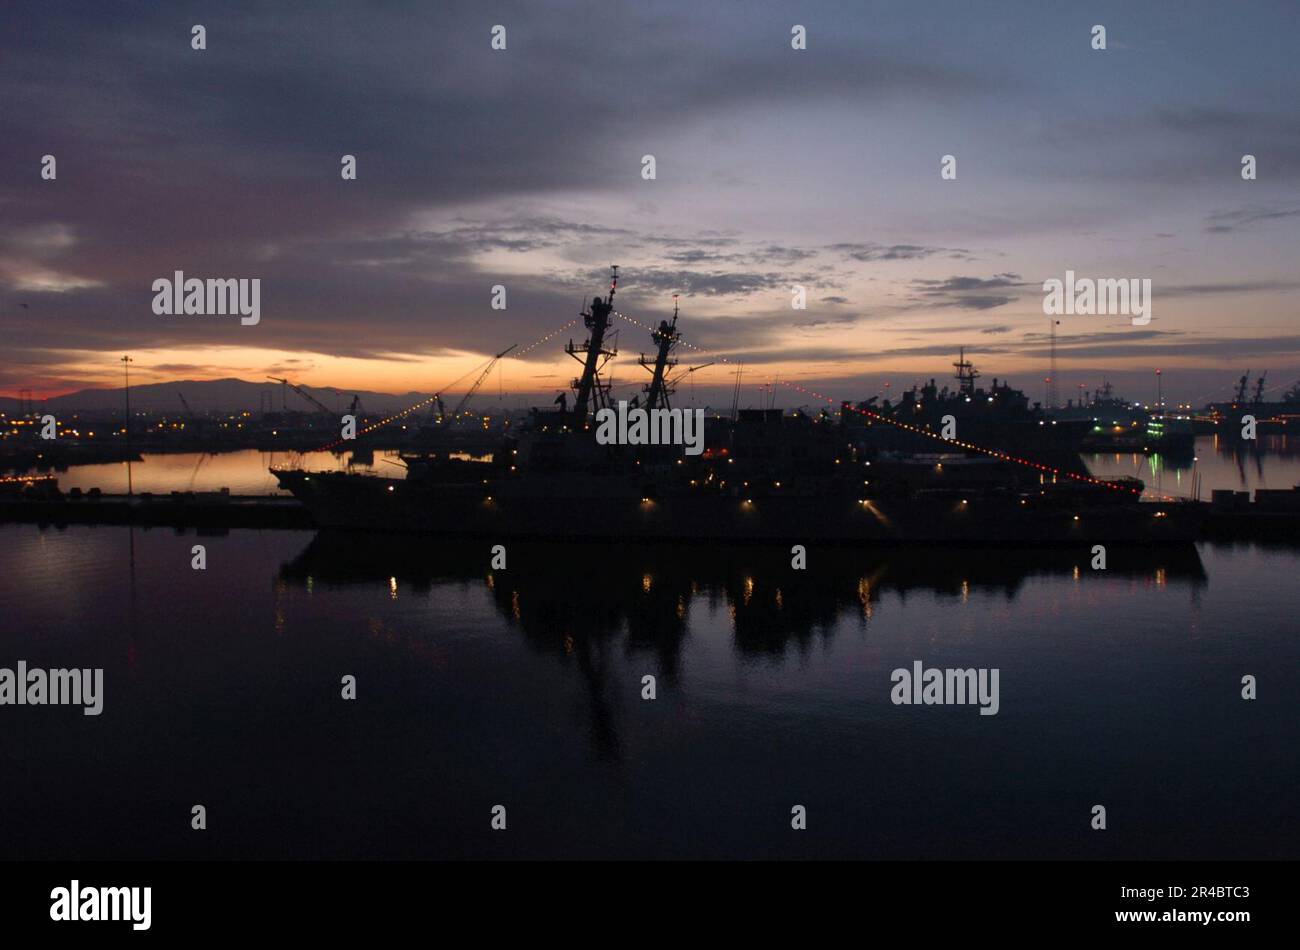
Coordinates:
[464,400]
[189,413]
[305,395]
[672,383]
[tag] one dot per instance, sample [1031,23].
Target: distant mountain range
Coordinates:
[222,395]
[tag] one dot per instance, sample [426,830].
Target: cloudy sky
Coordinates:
[774,167]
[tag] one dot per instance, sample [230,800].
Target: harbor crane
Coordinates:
[189,413]
[464,400]
[304,394]
[672,383]
[354,408]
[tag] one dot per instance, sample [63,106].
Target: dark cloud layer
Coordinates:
[968,293]
[225,162]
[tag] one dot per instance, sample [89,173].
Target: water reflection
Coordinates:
[1218,462]
[584,604]
[1247,456]
[523,686]
[597,588]
[594,590]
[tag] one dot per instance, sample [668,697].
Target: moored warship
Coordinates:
[999,416]
[762,476]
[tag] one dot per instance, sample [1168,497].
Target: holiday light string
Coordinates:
[878,417]
[685,343]
[992,453]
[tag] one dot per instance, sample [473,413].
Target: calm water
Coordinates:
[246,472]
[1219,463]
[523,687]
[1272,462]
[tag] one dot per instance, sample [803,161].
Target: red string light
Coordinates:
[970,446]
[993,453]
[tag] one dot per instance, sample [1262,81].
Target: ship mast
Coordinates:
[1258,398]
[966,373]
[666,337]
[592,354]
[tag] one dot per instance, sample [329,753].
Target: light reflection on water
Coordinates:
[245,472]
[524,686]
[1272,461]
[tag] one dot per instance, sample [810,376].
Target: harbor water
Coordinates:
[1273,462]
[526,687]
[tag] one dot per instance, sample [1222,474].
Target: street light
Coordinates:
[126,374]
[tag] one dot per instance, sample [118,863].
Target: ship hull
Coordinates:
[607,512]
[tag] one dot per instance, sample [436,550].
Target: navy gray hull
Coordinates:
[547,508]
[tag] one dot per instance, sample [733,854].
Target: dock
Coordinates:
[216,510]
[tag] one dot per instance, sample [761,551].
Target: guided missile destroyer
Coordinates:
[763,476]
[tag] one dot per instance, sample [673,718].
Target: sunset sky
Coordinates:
[774,167]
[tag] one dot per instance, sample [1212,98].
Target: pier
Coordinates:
[217,510]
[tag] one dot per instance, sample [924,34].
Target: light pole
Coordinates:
[1160,399]
[126,375]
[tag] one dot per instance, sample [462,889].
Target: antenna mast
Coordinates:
[966,373]
[593,355]
[1053,396]
[659,388]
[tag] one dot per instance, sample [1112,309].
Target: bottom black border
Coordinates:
[627,900]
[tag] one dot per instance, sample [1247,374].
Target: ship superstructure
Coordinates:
[999,417]
[659,390]
[763,476]
[591,391]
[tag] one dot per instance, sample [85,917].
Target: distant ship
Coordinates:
[763,476]
[1115,423]
[999,417]
[1269,415]
[1170,434]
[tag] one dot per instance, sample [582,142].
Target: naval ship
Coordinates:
[763,476]
[999,416]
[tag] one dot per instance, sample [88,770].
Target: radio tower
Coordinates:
[1053,396]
